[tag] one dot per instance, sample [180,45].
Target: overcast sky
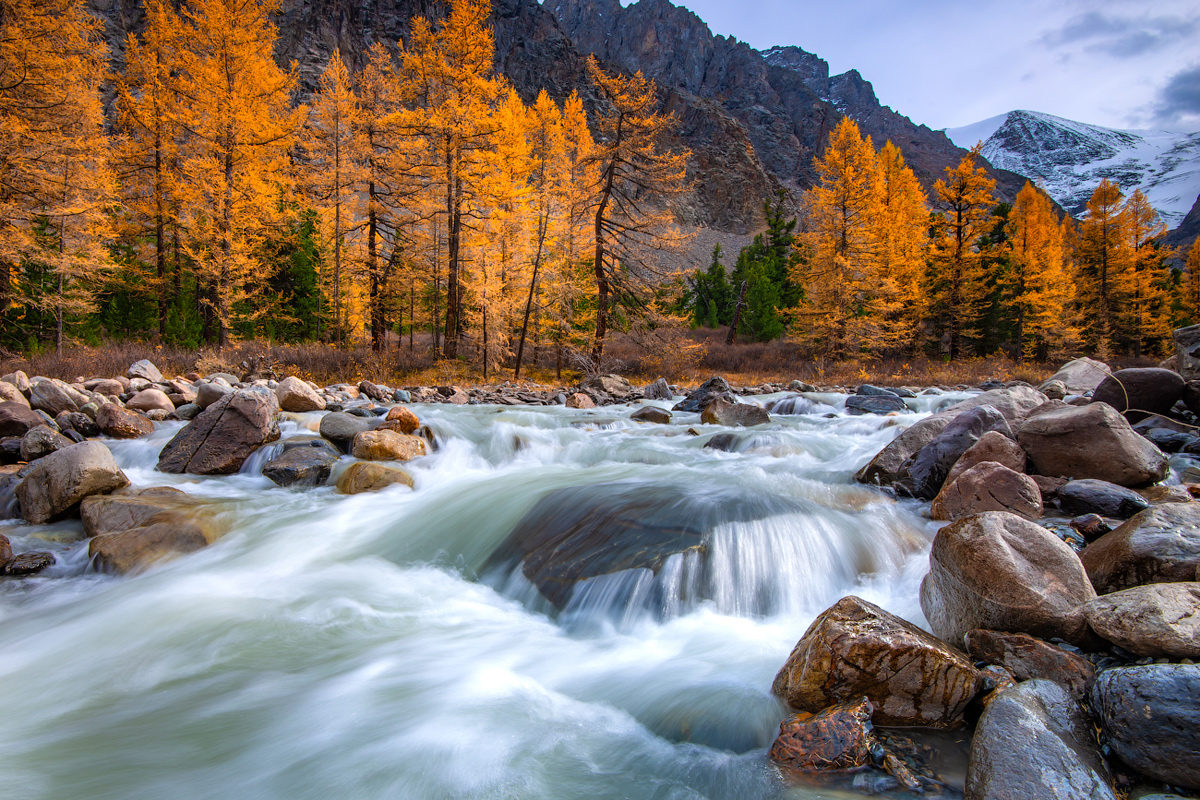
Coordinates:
[948,63]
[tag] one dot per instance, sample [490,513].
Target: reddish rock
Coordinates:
[1158,545]
[988,486]
[836,739]
[579,400]
[992,446]
[1029,658]
[402,420]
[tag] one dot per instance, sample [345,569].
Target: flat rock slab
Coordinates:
[1158,620]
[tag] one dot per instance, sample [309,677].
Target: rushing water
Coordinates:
[367,646]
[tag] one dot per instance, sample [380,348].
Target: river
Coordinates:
[365,646]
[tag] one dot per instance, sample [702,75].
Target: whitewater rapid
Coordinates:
[363,647]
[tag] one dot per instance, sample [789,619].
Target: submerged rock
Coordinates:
[371,477]
[874,404]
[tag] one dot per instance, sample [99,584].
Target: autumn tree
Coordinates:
[636,175]
[1140,288]
[1191,292]
[900,225]
[1101,254]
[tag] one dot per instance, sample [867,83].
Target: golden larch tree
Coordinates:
[1140,290]
[1037,284]
[1101,254]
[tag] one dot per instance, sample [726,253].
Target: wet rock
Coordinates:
[1000,572]
[209,393]
[856,649]
[992,446]
[56,484]
[889,465]
[401,420]
[6,553]
[341,428]
[112,513]
[144,369]
[1048,486]
[1092,441]
[1100,497]
[659,390]
[725,442]
[867,390]
[579,400]
[1157,495]
[379,445]
[371,477]
[17,419]
[297,396]
[1029,658]
[1091,526]
[77,421]
[612,385]
[1167,440]
[652,414]
[801,386]
[222,437]
[23,564]
[930,466]
[1034,741]
[722,412]
[10,394]
[1135,391]
[1150,716]
[52,397]
[380,394]
[988,486]
[836,739]
[121,423]
[1158,545]
[151,400]
[307,462]
[1161,620]
[163,537]
[42,441]
[698,399]
[1081,375]
[874,404]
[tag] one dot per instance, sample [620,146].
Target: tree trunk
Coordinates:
[537,262]
[737,316]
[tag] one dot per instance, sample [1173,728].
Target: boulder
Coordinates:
[1160,620]
[56,484]
[1029,658]
[858,405]
[1035,741]
[1090,526]
[305,462]
[1187,352]
[1137,391]
[890,464]
[1054,389]
[402,420]
[1100,497]
[77,421]
[1150,716]
[1158,545]
[369,477]
[1014,403]
[1081,375]
[125,509]
[612,385]
[144,369]
[341,428]
[988,486]
[42,441]
[652,414]
[6,553]
[868,390]
[10,394]
[121,423]
[836,739]
[222,437]
[699,398]
[182,389]
[151,400]
[209,393]
[458,397]
[188,412]
[930,466]
[855,649]
[297,396]
[998,571]
[382,445]
[18,379]
[164,536]
[109,387]
[1092,441]
[52,397]
[579,400]
[722,412]
[992,446]
[659,390]
[17,419]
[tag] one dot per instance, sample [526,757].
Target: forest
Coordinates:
[191,199]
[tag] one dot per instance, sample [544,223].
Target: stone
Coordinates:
[988,486]
[930,466]
[659,390]
[209,393]
[998,571]
[304,462]
[579,400]
[18,419]
[56,484]
[1158,545]
[1191,396]
[1100,497]
[18,379]
[371,477]
[836,739]
[1150,716]
[222,437]
[144,369]
[341,428]
[23,564]
[652,414]
[1092,441]
[1091,526]
[402,396]
[1048,486]
[77,421]
[1035,741]
[699,398]
[183,389]
[1167,440]
[163,537]
[1134,392]
[612,385]
[1187,351]
[6,553]
[458,397]
[151,400]
[188,412]
[295,395]
[868,390]
[1054,389]
[125,509]
[722,412]
[890,464]
[402,419]
[380,394]
[856,649]
[1160,620]
[1029,658]
[42,441]
[1081,375]
[11,394]
[380,445]
[801,386]
[992,446]
[51,396]
[109,387]
[121,423]
[858,405]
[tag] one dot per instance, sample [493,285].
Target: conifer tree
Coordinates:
[1191,301]
[1102,254]
[1141,287]
[901,248]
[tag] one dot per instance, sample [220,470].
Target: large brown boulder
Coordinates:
[56,484]
[856,649]
[223,436]
[1035,741]
[999,571]
[383,445]
[722,412]
[992,446]
[165,536]
[928,470]
[1158,545]
[151,399]
[1029,658]
[121,423]
[112,513]
[1092,441]
[17,419]
[1135,391]
[366,476]
[1158,620]
[297,396]
[988,486]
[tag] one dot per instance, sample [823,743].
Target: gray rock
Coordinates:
[209,393]
[1100,497]
[307,462]
[874,404]
[56,484]
[1158,545]
[144,369]
[929,468]
[42,441]
[1081,375]
[341,428]
[801,386]
[659,390]
[11,394]
[401,396]
[612,385]
[1159,620]
[652,414]
[867,390]
[1187,351]
[188,411]
[1092,441]
[51,396]
[17,419]
[697,400]
[297,396]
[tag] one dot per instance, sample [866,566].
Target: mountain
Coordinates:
[1070,159]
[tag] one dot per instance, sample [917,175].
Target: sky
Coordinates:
[948,63]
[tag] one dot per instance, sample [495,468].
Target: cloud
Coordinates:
[1180,98]
[1120,36]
